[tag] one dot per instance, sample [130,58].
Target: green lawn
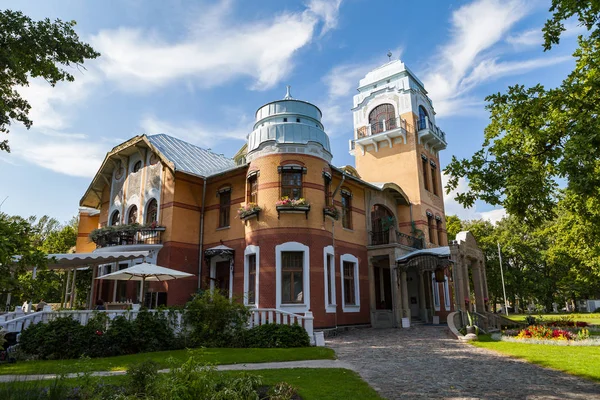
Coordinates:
[576,360]
[211,356]
[333,384]
[593,318]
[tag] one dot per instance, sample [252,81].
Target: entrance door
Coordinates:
[383,314]
[222,277]
[413,294]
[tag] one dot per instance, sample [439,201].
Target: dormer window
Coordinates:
[137,166]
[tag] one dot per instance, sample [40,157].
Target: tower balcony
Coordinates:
[127,237]
[381,131]
[430,134]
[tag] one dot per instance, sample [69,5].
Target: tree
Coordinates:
[537,136]
[453,226]
[539,158]
[31,49]
[16,239]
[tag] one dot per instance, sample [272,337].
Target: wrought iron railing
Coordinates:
[391,236]
[425,123]
[142,236]
[382,126]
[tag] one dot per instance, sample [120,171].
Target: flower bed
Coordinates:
[549,334]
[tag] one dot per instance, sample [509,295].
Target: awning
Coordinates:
[220,250]
[441,252]
[76,260]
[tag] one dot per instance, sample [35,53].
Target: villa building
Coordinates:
[362,245]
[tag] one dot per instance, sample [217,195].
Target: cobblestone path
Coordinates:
[425,363]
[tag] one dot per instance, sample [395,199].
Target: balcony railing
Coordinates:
[382,126]
[425,123]
[128,237]
[392,236]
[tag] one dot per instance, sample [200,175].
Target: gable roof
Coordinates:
[176,154]
[190,158]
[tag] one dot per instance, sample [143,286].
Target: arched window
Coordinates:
[382,118]
[115,218]
[137,166]
[423,117]
[382,220]
[152,212]
[132,216]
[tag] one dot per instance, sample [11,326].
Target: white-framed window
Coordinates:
[329,279]
[436,292]
[350,283]
[251,267]
[446,294]
[292,274]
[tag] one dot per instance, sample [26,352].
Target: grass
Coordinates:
[333,384]
[593,318]
[576,360]
[211,356]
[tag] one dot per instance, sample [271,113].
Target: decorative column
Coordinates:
[466,285]
[486,294]
[478,288]
[405,306]
[422,305]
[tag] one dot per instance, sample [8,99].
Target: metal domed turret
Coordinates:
[289,125]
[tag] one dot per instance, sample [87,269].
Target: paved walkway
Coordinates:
[424,363]
[229,367]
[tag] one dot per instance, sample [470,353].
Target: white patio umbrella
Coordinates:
[145,272]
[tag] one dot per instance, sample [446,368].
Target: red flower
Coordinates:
[99,333]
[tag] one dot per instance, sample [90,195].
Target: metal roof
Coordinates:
[189,158]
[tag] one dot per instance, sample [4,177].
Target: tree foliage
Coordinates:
[539,159]
[32,49]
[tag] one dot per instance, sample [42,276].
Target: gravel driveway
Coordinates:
[425,363]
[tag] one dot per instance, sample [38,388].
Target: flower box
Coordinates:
[331,212]
[292,206]
[293,210]
[249,211]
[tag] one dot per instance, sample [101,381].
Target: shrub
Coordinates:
[215,321]
[153,332]
[122,337]
[272,335]
[141,378]
[282,391]
[193,380]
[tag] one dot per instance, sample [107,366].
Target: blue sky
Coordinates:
[199,70]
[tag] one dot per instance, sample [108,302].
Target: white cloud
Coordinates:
[50,143]
[341,82]
[529,37]
[465,61]
[195,132]
[217,49]
[535,37]
[452,207]
[327,10]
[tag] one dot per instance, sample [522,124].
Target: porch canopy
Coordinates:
[220,250]
[77,260]
[434,259]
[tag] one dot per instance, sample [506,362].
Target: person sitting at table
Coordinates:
[100,305]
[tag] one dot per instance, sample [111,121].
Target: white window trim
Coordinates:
[251,249]
[213,273]
[446,294]
[435,289]
[350,307]
[292,246]
[328,280]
